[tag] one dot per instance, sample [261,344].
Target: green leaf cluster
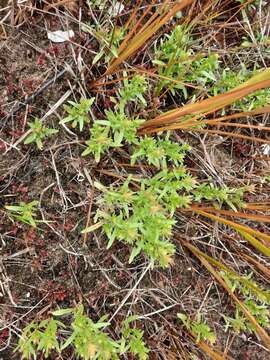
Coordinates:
[239,323]
[25,212]
[158,152]
[109,39]
[256,300]
[88,338]
[140,211]
[78,113]
[199,328]
[38,133]
[138,219]
[40,336]
[99,142]
[177,61]
[133,90]
[118,127]
[230,79]
[220,195]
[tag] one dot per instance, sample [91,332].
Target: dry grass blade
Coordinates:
[259,111]
[186,124]
[226,269]
[230,134]
[188,127]
[263,269]
[238,125]
[258,206]
[238,214]
[259,330]
[255,242]
[239,228]
[212,353]
[207,106]
[135,40]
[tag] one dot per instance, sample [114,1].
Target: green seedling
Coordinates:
[239,323]
[111,133]
[99,142]
[225,195]
[178,64]
[159,152]
[133,339]
[256,300]
[118,128]
[41,337]
[109,40]
[24,212]
[133,90]
[38,133]
[198,328]
[142,217]
[122,128]
[230,79]
[87,337]
[78,113]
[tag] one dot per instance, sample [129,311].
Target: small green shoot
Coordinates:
[88,338]
[99,142]
[178,64]
[118,127]
[37,337]
[24,212]
[133,90]
[256,300]
[121,126]
[133,339]
[109,39]
[38,133]
[78,113]
[159,152]
[230,79]
[198,328]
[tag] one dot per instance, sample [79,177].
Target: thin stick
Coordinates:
[130,292]
[91,196]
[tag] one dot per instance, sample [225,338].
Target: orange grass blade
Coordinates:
[234,225]
[194,121]
[258,206]
[259,330]
[207,106]
[226,269]
[263,269]
[252,217]
[259,111]
[128,48]
[188,127]
[238,125]
[212,353]
[230,134]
